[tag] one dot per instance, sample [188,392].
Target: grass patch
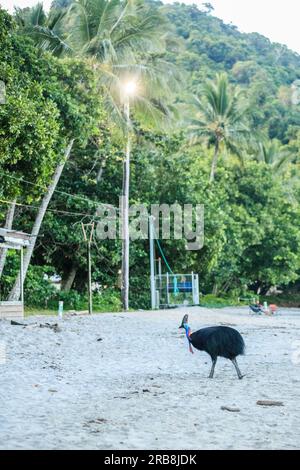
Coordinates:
[29,312]
[211,301]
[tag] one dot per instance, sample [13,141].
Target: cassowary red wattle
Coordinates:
[217,341]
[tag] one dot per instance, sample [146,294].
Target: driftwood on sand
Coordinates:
[269,403]
[231,410]
[53,326]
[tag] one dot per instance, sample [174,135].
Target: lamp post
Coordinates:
[129,91]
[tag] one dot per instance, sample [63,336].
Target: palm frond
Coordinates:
[121,38]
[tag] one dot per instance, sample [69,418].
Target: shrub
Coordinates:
[211,301]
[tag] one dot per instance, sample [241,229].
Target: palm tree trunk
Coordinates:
[8,225]
[67,285]
[15,292]
[214,162]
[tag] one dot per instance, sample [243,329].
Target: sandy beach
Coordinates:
[128,381]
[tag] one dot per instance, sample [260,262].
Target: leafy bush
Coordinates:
[108,300]
[212,301]
[72,300]
[37,290]
[139,294]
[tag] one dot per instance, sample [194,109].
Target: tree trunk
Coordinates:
[67,285]
[215,290]
[15,292]
[214,162]
[8,225]
[101,170]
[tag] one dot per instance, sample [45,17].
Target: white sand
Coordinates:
[67,390]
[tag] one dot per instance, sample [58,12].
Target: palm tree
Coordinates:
[45,30]
[122,39]
[125,40]
[272,153]
[59,4]
[220,118]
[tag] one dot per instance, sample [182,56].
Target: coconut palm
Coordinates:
[220,118]
[272,153]
[123,40]
[46,30]
[58,4]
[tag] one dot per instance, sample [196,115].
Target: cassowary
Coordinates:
[217,341]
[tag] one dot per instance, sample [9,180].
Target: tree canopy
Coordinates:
[232,101]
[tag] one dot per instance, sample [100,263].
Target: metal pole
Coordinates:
[152,263]
[22,276]
[193,289]
[90,277]
[168,295]
[159,268]
[125,213]
[160,279]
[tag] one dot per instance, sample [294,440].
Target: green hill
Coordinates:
[269,72]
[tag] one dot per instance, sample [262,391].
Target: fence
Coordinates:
[175,290]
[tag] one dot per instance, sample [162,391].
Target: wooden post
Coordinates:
[88,239]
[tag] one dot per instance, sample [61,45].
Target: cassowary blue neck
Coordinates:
[187,330]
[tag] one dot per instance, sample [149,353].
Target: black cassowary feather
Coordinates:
[217,341]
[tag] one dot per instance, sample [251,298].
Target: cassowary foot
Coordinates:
[239,374]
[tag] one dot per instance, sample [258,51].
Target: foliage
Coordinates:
[242,82]
[219,118]
[48,298]
[212,301]
[122,39]
[48,102]
[260,67]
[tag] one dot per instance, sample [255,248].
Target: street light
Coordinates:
[129,90]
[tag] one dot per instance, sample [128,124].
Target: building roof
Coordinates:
[13,239]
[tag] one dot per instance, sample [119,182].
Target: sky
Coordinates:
[276,19]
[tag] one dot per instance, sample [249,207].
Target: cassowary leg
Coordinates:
[211,375]
[234,362]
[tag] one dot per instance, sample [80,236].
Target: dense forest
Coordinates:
[216,123]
